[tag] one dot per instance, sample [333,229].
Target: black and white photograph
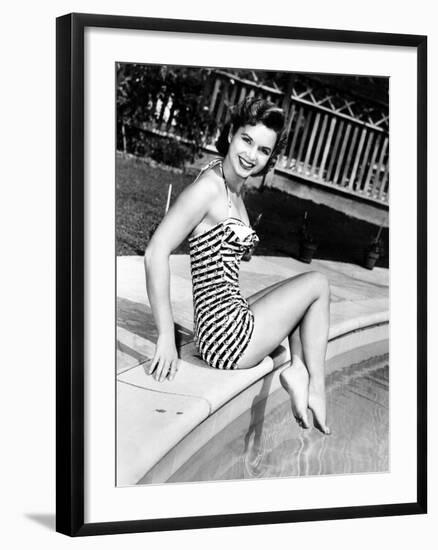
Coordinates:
[218,260]
[252,274]
[240,274]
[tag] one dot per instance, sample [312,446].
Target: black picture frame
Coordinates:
[70,308]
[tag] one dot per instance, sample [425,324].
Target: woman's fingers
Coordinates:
[173,369]
[156,363]
[163,368]
[153,364]
[159,369]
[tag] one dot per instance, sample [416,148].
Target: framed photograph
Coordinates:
[241,302]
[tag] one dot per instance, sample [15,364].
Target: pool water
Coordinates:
[266,441]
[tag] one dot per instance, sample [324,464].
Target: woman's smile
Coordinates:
[247,165]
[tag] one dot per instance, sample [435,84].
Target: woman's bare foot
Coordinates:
[295,380]
[317,405]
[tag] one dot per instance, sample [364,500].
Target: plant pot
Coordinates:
[307,250]
[371,258]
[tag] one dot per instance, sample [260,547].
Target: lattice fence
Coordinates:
[334,140]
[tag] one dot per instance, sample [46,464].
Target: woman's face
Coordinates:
[250,149]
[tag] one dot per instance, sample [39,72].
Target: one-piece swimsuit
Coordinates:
[223,320]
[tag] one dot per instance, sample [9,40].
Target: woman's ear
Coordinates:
[230,134]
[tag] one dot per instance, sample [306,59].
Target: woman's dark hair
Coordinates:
[253,111]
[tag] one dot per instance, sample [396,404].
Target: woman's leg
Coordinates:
[295,346]
[294,379]
[314,332]
[277,314]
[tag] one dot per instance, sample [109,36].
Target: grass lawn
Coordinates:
[141,192]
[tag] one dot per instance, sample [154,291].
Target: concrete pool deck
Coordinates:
[153,418]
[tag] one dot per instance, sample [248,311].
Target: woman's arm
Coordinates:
[188,210]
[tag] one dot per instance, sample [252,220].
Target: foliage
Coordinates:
[170,152]
[142,90]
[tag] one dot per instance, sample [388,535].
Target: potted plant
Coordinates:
[308,244]
[374,250]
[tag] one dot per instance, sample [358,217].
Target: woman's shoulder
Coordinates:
[209,179]
[213,163]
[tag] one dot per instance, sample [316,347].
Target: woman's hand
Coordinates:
[165,362]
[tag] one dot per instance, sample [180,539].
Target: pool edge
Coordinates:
[339,344]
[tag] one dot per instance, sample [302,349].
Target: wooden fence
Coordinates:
[332,139]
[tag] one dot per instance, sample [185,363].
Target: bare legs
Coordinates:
[295,380]
[297,304]
[314,335]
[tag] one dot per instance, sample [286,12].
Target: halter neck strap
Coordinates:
[226,188]
[211,164]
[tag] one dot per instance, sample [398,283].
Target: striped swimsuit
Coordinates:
[223,320]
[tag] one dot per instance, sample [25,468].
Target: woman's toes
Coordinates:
[325,430]
[321,426]
[302,422]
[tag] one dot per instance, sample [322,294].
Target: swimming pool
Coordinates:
[265,441]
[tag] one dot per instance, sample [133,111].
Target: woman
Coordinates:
[231,332]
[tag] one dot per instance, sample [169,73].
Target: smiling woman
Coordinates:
[230,332]
[249,120]
[250,149]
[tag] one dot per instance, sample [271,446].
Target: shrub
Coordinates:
[170,152]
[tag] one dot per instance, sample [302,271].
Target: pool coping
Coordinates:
[154,419]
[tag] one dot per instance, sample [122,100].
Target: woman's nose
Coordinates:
[252,153]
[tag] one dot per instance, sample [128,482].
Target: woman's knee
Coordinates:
[320,283]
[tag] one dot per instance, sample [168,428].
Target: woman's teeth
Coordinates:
[245,164]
